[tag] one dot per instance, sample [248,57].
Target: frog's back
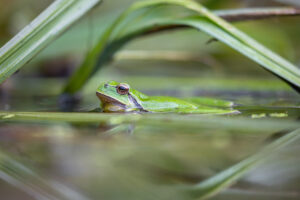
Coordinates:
[167,104]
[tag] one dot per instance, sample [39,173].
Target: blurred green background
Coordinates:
[79,161]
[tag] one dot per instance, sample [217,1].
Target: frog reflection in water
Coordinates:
[120,97]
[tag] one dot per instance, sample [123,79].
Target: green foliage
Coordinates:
[132,156]
[39,33]
[114,38]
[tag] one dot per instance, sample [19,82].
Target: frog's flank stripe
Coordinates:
[132,99]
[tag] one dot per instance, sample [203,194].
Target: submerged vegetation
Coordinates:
[55,143]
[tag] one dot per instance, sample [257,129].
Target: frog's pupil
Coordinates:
[122,89]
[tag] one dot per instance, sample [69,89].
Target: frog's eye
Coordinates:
[122,89]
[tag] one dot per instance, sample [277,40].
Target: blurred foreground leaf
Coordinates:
[171,121]
[207,188]
[23,178]
[224,179]
[40,32]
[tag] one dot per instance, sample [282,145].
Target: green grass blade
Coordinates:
[213,30]
[244,38]
[211,24]
[224,179]
[94,60]
[291,72]
[40,32]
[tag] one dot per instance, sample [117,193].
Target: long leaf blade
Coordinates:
[40,32]
[23,178]
[226,178]
[271,61]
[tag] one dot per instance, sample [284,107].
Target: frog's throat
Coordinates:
[107,99]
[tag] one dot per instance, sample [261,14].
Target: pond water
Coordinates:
[151,157]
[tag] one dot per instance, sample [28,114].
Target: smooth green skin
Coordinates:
[135,101]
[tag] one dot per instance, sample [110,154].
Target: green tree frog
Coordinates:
[120,97]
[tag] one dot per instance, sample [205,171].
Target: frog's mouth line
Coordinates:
[106,99]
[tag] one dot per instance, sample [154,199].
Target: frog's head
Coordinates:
[118,97]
